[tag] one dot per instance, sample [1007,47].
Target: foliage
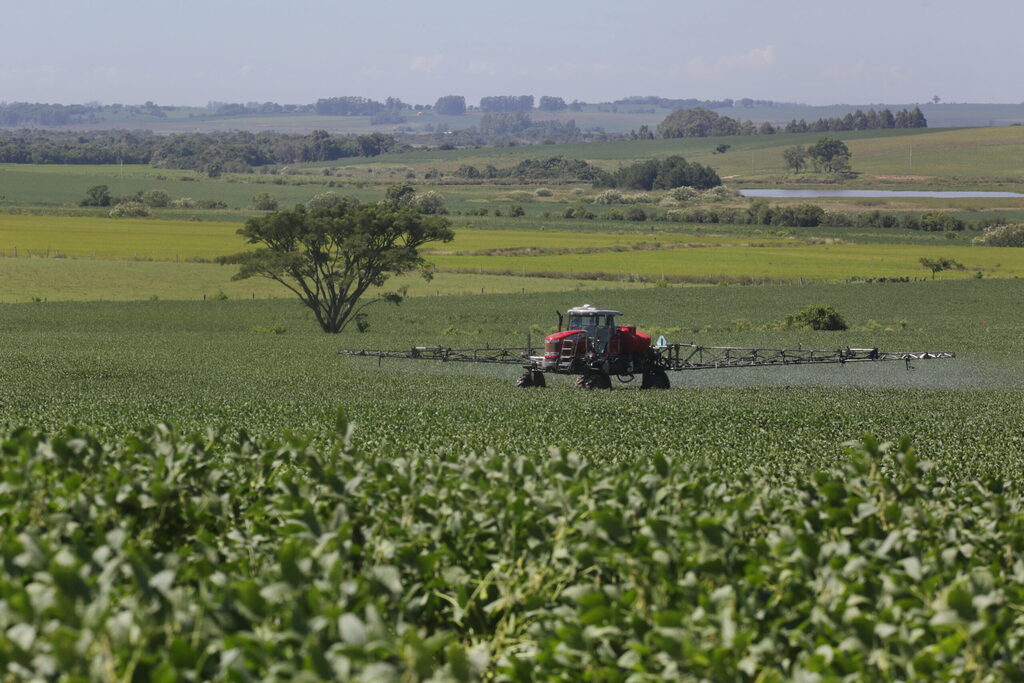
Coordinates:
[938,221]
[795,158]
[506,103]
[530,170]
[818,317]
[549,103]
[664,174]
[451,105]
[697,122]
[937,265]
[161,555]
[1003,236]
[156,198]
[264,201]
[830,155]
[859,120]
[217,152]
[97,195]
[329,256]
[129,209]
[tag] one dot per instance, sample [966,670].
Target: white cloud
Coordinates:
[757,59]
[425,64]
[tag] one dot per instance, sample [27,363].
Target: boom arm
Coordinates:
[676,357]
[696,357]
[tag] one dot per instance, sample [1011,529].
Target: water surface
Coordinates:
[879,194]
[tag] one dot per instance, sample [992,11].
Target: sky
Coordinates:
[191,52]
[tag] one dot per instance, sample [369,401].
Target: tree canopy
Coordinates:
[664,174]
[830,155]
[330,256]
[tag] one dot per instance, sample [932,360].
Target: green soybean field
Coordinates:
[206,490]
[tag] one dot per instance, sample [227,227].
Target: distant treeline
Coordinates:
[661,174]
[36,114]
[689,103]
[210,153]
[551,169]
[858,120]
[811,216]
[698,122]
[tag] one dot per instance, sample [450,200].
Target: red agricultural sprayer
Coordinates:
[595,349]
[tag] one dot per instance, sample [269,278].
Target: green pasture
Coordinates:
[820,262]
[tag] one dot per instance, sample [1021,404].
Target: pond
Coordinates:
[878,193]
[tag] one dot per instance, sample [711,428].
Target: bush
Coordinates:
[97,195]
[1003,236]
[516,210]
[609,197]
[543,192]
[635,213]
[430,202]
[129,210]
[817,318]
[183,203]
[156,199]
[937,221]
[210,204]
[323,199]
[683,194]
[264,202]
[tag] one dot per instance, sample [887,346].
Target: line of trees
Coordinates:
[860,120]
[663,174]
[698,122]
[210,153]
[551,169]
[505,104]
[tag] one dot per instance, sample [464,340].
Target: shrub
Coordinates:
[430,202]
[156,199]
[609,197]
[210,204]
[635,213]
[264,202]
[1003,236]
[183,203]
[129,210]
[543,192]
[937,221]
[817,318]
[683,194]
[323,199]
[516,210]
[97,195]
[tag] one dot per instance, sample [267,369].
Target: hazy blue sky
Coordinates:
[295,51]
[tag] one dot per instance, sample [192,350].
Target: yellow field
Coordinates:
[28,279]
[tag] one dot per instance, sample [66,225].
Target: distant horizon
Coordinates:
[197,51]
[475,103]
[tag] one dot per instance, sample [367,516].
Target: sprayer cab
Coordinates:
[592,339]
